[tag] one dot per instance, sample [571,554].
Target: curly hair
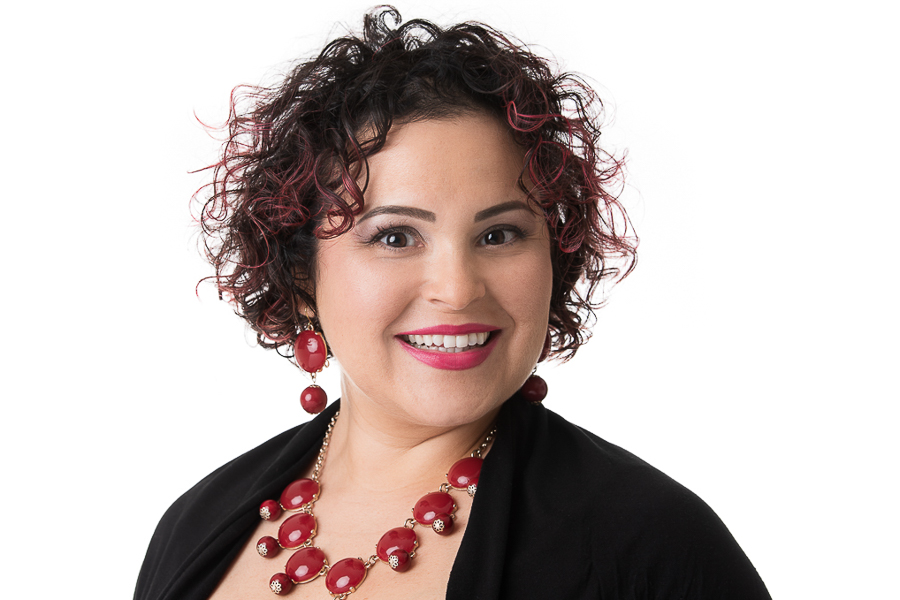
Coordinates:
[290,169]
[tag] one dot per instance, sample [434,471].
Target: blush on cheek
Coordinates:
[359,300]
[539,278]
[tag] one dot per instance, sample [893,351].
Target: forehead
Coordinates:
[470,158]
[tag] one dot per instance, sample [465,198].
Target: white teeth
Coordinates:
[448,343]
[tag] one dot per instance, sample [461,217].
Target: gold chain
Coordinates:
[320,460]
[487,442]
[410,523]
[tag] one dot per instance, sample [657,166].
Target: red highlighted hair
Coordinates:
[289,173]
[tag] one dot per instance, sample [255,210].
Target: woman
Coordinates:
[426,201]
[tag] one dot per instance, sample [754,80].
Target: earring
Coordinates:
[534,389]
[311,355]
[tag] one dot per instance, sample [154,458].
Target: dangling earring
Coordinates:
[535,388]
[311,355]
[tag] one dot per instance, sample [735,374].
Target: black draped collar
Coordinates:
[559,513]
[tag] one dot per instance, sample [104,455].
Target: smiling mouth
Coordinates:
[448,343]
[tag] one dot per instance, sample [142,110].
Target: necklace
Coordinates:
[397,547]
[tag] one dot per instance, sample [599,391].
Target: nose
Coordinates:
[455,280]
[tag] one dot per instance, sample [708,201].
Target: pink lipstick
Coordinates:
[451,347]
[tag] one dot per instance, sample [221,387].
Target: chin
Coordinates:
[445,412]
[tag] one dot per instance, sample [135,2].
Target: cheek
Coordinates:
[525,289]
[357,301]
[541,283]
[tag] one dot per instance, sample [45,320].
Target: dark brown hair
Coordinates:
[289,171]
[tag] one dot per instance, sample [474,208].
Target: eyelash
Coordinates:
[401,229]
[387,230]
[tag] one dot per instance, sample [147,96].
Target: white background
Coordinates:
[752,354]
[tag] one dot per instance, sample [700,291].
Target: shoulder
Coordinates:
[643,529]
[568,459]
[232,481]
[207,522]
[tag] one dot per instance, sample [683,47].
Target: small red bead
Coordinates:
[296,530]
[431,505]
[399,561]
[310,351]
[442,524]
[267,546]
[299,493]
[464,472]
[280,583]
[269,510]
[305,564]
[313,399]
[534,389]
[401,539]
[345,576]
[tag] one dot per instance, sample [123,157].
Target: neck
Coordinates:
[374,453]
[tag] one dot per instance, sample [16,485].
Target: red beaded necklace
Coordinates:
[397,547]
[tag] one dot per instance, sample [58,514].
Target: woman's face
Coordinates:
[447,249]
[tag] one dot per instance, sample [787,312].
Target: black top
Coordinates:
[559,513]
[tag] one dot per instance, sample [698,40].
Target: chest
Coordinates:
[350,534]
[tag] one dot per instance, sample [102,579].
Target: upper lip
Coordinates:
[452,329]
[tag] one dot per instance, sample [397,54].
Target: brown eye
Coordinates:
[497,237]
[396,239]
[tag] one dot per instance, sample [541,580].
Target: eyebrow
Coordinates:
[406,211]
[500,209]
[427,215]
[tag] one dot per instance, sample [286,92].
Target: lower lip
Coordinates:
[453,361]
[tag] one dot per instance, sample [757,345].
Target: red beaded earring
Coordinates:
[535,388]
[311,355]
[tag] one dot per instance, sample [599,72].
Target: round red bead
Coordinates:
[399,561]
[296,530]
[299,493]
[305,564]
[269,510]
[431,505]
[442,524]
[310,351]
[313,399]
[397,539]
[267,546]
[464,472]
[280,583]
[534,389]
[345,576]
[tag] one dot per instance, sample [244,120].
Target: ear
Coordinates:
[305,314]
[304,302]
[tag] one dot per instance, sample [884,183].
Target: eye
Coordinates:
[397,239]
[498,237]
